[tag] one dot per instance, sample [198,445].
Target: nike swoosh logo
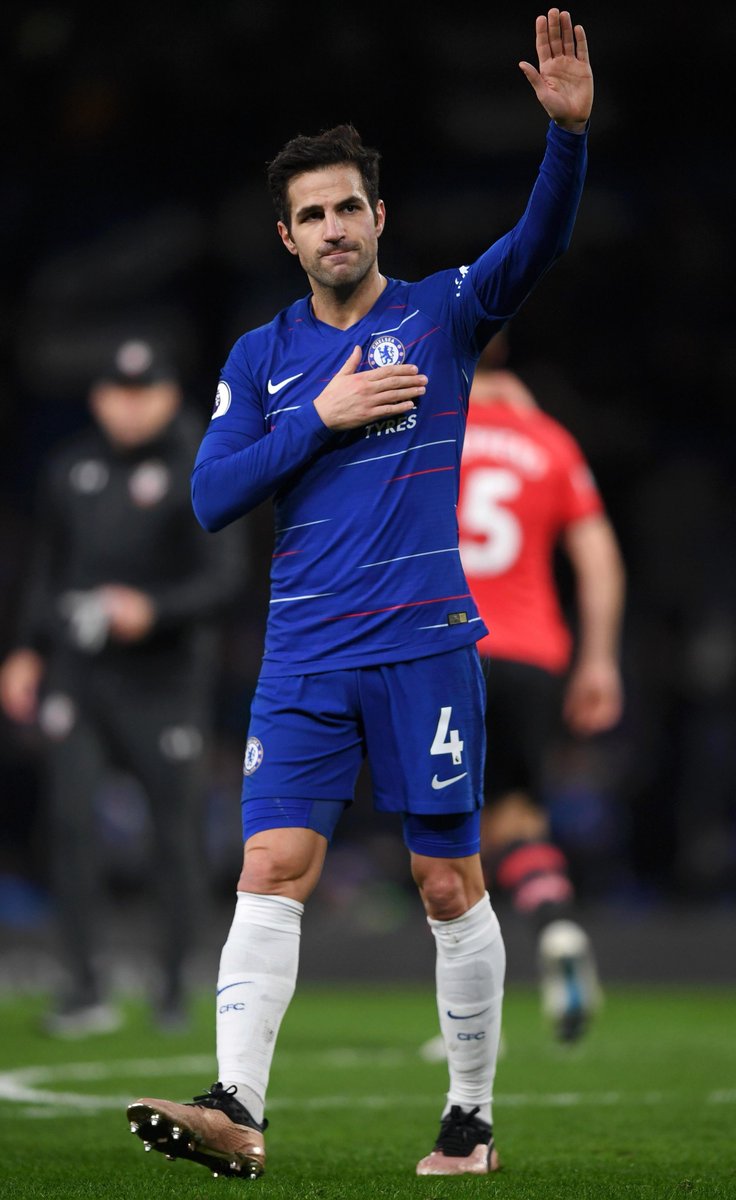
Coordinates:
[469,1017]
[229,985]
[273,388]
[440,783]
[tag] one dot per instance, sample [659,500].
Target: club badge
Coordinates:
[253,756]
[386,351]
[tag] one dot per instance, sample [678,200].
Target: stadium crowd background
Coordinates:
[133,199]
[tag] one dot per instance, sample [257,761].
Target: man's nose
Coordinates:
[333,230]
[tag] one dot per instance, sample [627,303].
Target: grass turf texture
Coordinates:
[645,1107]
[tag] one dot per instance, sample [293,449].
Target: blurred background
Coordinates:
[133,201]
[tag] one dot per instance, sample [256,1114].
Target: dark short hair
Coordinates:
[331,147]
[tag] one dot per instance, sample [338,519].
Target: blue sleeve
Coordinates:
[474,302]
[240,462]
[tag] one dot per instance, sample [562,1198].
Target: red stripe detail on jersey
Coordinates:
[286,553]
[450,412]
[392,607]
[421,339]
[388,306]
[428,471]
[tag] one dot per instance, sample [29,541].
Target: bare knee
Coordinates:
[448,886]
[283,862]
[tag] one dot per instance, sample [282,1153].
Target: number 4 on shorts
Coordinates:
[444,745]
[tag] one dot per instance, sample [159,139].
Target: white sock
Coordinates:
[471,964]
[257,977]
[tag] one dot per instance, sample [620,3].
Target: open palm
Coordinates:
[564,82]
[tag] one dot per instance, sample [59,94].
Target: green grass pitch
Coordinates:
[644,1108]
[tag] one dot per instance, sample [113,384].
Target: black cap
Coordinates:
[138,363]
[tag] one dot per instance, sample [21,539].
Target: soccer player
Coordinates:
[349,409]
[524,487]
[114,659]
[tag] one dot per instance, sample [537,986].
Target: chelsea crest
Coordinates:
[386,351]
[253,756]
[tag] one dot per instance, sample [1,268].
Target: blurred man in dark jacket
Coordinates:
[115,658]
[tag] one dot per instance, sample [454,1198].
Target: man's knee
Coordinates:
[448,886]
[283,862]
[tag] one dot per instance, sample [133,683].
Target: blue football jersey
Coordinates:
[366,567]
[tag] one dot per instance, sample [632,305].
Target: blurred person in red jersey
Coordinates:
[525,490]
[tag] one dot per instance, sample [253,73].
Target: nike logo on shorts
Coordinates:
[273,388]
[443,783]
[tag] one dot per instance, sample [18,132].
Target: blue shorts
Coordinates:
[420,724]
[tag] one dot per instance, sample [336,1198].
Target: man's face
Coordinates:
[333,230]
[133,416]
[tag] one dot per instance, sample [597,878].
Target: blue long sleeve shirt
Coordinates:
[366,566]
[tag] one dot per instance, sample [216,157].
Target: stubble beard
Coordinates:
[345,286]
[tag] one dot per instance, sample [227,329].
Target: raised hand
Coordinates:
[564,82]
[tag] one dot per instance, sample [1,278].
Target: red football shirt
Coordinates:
[523,480]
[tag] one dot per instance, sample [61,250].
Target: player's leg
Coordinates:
[301,737]
[259,961]
[518,852]
[74,764]
[303,742]
[223,1129]
[424,727]
[521,714]
[470,968]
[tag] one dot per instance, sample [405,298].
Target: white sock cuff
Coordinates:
[465,934]
[270,912]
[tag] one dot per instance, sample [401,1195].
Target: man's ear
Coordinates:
[286,237]
[380,217]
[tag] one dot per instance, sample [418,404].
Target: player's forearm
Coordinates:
[600,624]
[555,198]
[506,273]
[230,480]
[600,583]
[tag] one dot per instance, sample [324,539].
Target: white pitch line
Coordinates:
[22,1086]
[30,1101]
